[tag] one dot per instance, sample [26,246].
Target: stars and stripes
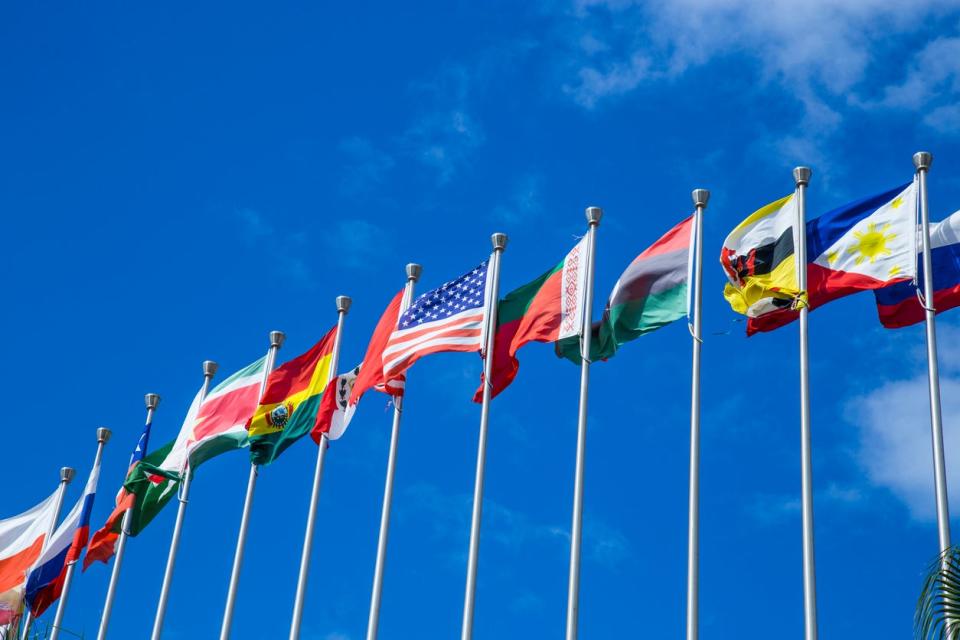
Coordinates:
[449,318]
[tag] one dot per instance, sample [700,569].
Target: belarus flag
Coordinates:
[867,244]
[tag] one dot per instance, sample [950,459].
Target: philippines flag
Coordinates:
[452,317]
[45,580]
[898,304]
[867,244]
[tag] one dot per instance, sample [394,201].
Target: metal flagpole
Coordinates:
[499,241]
[576,531]
[801,176]
[343,306]
[152,401]
[209,370]
[413,274]
[66,475]
[103,436]
[276,341]
[922,161]
[700,198]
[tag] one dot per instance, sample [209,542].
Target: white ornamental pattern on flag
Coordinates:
[449,318]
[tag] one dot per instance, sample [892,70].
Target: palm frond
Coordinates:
[938,609]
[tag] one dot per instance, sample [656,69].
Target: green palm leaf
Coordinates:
[938,609]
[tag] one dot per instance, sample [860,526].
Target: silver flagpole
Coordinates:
[700,198]
[276,340]
[103,436]
[499,241]
[209,370]
[152,401]
[66,475]
[922,161]
[801,176]
[373,622]
[343,306]
[576,531]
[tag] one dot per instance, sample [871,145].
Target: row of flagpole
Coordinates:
[801,175]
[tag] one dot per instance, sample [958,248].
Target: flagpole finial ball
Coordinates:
[277,338]
[499,241]
[103,435]
[801,175]
[152,400]
[66,474]
[700,197]
[343,304]
[593,215]
[413,271]
[209,368]
[922,160]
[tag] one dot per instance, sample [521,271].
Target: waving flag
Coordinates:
[898,304]
[449,318]
[21,542]
[45,580]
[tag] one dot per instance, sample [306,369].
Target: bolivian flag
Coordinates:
[288,408]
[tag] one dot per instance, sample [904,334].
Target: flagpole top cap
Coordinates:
[700,197]
[66,474]
[277,338]
[209,368]
[151,400]
[801,175]
[413,271]
[922,160]
[343,304]
[499,241]
[593,215]
[103,435]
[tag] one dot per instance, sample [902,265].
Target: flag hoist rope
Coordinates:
[343,306]
[922,161]
[576,530]
[103,436]
[499,241]
[66,475]
[152,401]
[700,198]
[801,177]
[276,341]
[209,370]
[373,622]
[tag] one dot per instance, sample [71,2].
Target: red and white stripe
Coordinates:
[459,332]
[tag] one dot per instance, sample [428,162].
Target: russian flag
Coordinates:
[898,304]
[45,580]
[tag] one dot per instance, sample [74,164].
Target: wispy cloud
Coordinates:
[366,166]
[358,243]
[524,203]
[260,234]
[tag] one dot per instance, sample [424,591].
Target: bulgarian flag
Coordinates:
[288,408]
[651,293]
[546,310]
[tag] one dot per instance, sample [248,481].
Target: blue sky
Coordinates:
[178,180]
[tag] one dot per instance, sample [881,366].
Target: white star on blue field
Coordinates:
[177,180]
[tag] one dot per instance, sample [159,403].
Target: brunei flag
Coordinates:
[288,407]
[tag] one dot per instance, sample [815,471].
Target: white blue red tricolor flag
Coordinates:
[45,580]
[449,318]
[898,304]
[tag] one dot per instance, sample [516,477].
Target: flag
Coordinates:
[898,304]
[448,318]
[547,309]
[103,544]
[45,579]
[288,408]
[651,293]
[21,542]
[344,391]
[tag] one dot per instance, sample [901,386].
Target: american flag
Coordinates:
[449,318]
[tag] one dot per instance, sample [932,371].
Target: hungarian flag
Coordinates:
[344,391]
[288,408]
[651,293]
[546,310]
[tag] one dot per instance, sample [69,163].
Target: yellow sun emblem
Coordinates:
[872,243]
